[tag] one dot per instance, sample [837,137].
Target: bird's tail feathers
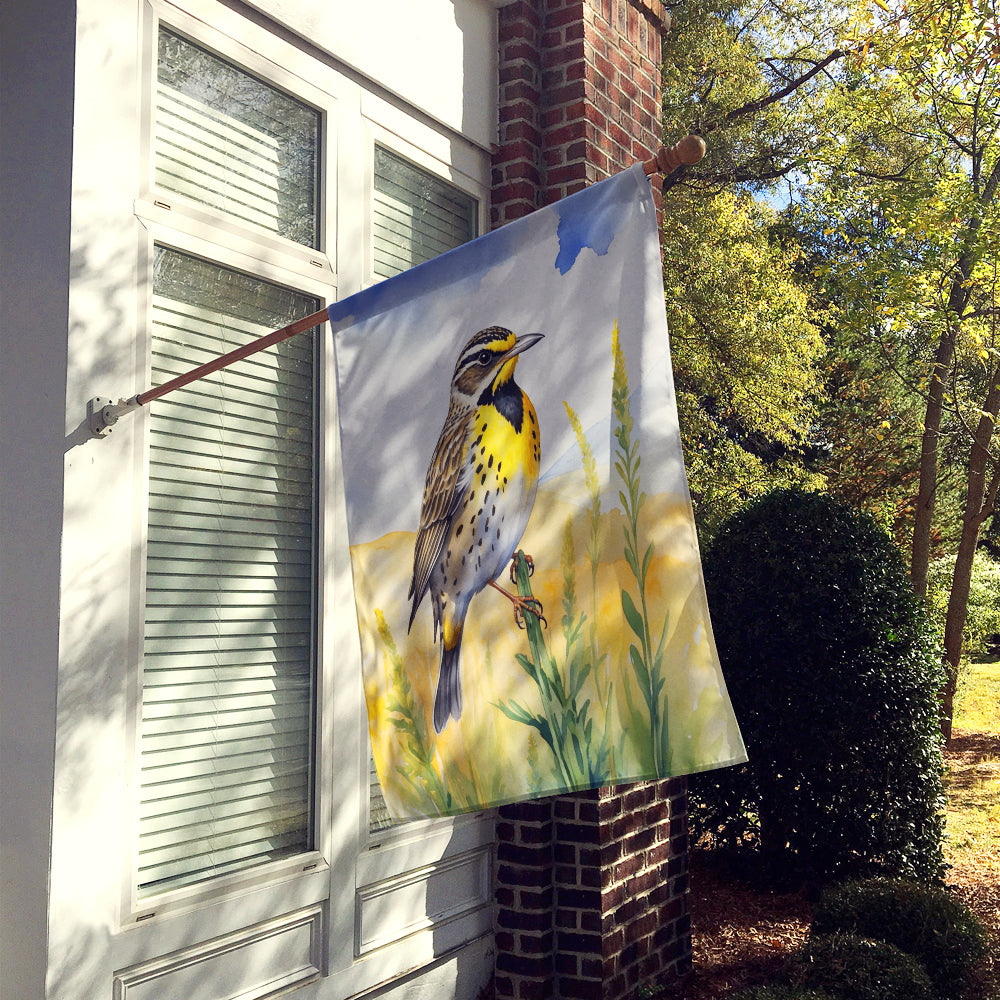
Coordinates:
[448,697]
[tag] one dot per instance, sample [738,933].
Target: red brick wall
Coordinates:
[591,889]
[579,96]
[591,893]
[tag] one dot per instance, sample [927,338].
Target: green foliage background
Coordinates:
[832,266]
[983,621]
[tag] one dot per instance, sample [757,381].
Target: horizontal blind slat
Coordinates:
[398,220]
[213,740]
[242,845]
[162,830]
[184,783]
[415,215]
[208,508]
[170,765]
[229,475]
[160,811]
[212,710]
[166,769]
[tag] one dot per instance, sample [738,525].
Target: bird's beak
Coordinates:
[522,344]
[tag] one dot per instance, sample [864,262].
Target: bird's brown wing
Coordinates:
[447,480]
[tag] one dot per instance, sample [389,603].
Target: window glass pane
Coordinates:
[416,215]
[228,655]
[228,140]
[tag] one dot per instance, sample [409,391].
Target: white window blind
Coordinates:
[228,140]
[416,216]
[228,658]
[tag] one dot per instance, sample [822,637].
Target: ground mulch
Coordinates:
[743,933]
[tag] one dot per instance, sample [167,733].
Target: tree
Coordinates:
[747,353]
[914,184]
[881,120]
[746,76]
[747,358]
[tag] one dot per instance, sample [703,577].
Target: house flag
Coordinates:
[511,404]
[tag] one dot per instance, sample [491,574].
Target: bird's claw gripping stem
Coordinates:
[534,605]
[520,602]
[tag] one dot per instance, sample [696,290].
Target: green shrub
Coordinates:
[856,968]
[927,923]
[833,673]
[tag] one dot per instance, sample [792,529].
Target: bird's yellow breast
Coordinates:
[503,450]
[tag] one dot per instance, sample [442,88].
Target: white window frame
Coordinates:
[135,908]
[395,133]
[351,873]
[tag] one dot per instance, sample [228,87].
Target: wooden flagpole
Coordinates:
[260,344]
[102,413]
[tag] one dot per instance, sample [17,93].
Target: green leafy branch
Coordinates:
[593,482]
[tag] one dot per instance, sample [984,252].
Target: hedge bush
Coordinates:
[857,968]
[833,672]
[925,922]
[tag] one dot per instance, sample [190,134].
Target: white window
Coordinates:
[415,215]
[275,183]
[228,685]
[229,646]
[233,142]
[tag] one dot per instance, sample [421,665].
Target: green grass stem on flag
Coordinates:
[564,723]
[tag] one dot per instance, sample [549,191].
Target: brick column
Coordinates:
[591,888]
[524,901]
[517,159]
[579,96]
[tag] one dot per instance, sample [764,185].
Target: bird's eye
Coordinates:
[485,357]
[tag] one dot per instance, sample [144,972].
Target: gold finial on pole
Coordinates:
[668,158]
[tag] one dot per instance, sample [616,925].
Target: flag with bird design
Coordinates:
[523,557]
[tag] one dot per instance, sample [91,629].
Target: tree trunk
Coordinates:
[980,498]
[958,299]
[920,553]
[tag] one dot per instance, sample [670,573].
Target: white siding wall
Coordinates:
[397,42]
[36,112]
[74,325]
